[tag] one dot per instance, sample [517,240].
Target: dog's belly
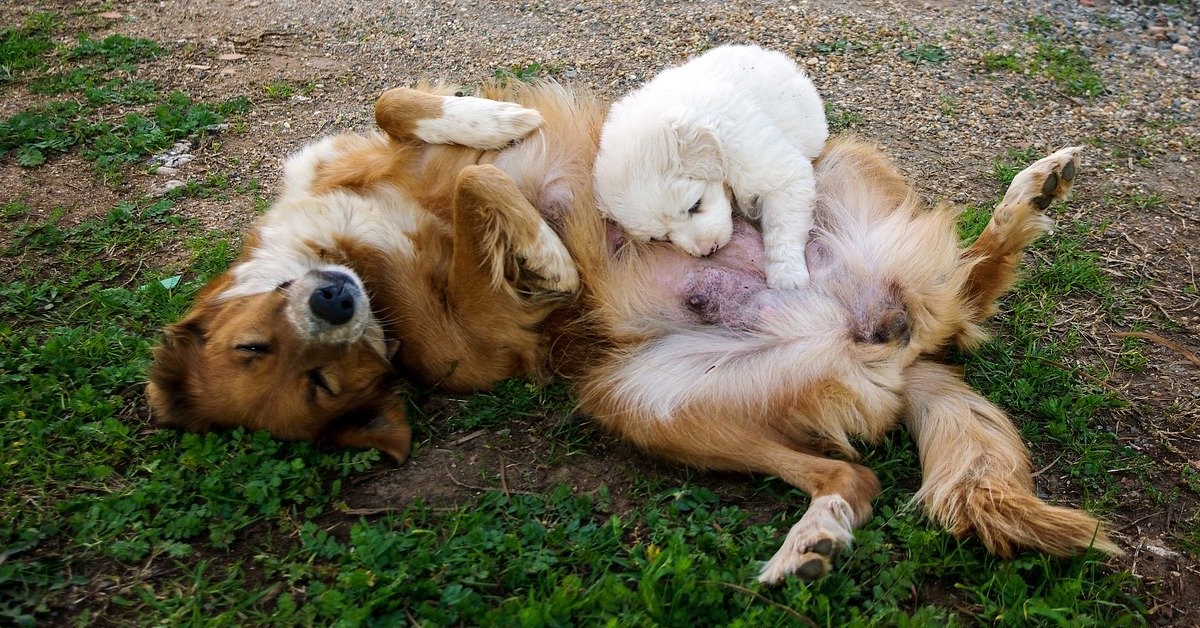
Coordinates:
[727,289]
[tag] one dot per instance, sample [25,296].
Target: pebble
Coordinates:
[166,188]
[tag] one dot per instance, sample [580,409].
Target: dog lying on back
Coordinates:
[421,252]
[447,254]
[699,360]
[737,118]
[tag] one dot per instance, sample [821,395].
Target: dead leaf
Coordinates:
[111,15]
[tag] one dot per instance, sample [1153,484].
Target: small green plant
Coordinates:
[279,90]
[925,53]
[527,72]
[837,46]
[1068,67]
[1008,61]
[841,119]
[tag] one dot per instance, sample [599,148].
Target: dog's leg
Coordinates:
[494,220]
[841,491]
[408,114]
[1016,222]
[709,436]
[976,472]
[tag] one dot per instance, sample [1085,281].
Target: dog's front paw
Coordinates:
[551,262]
[479,123]
[787,275]
[512,121]
[823,532]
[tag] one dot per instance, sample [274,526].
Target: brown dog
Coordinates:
[692,359]
[423,250]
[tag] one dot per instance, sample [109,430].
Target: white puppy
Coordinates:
[736,116]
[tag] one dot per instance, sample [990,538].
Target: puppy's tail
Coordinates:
[976,473]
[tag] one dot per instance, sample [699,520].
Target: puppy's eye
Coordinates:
[694,209]
[254,348]
[285,285]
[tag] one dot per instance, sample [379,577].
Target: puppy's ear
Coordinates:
[699,150]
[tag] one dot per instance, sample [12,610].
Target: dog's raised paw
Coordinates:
[512,122]
[479,123]
[1047,180]
[823,532]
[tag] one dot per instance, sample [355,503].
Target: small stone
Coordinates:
[167,187]
[1180,48]
[232,56]
[111,15]
[167,171]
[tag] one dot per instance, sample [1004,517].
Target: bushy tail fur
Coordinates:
[977,474]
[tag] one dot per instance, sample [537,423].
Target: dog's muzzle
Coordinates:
[333,299]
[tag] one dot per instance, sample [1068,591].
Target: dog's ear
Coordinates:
[171,387]
[699,150]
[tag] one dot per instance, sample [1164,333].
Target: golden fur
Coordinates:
[691,359]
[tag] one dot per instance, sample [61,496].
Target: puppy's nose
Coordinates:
[333,300]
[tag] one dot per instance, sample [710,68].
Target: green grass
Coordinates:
[23,48]
[1062,62]
[100,76]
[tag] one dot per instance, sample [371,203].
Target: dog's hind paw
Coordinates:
[823,532]
[1049,179]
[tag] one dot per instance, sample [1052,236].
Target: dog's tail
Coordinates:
[977,474]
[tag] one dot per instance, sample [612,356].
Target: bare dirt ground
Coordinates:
[944,122]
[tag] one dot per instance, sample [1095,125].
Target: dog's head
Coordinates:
[664,180]
[305,360]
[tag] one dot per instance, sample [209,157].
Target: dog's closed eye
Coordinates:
[694,209]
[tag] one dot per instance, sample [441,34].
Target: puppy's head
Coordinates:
[663,179]
[305,361]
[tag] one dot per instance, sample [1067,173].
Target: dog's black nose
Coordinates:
[333,300]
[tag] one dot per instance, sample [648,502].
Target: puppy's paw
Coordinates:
[479,123]
[823,532]
[787,275]
[1047,180]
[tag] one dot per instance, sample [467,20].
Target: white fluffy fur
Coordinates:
[737,116]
